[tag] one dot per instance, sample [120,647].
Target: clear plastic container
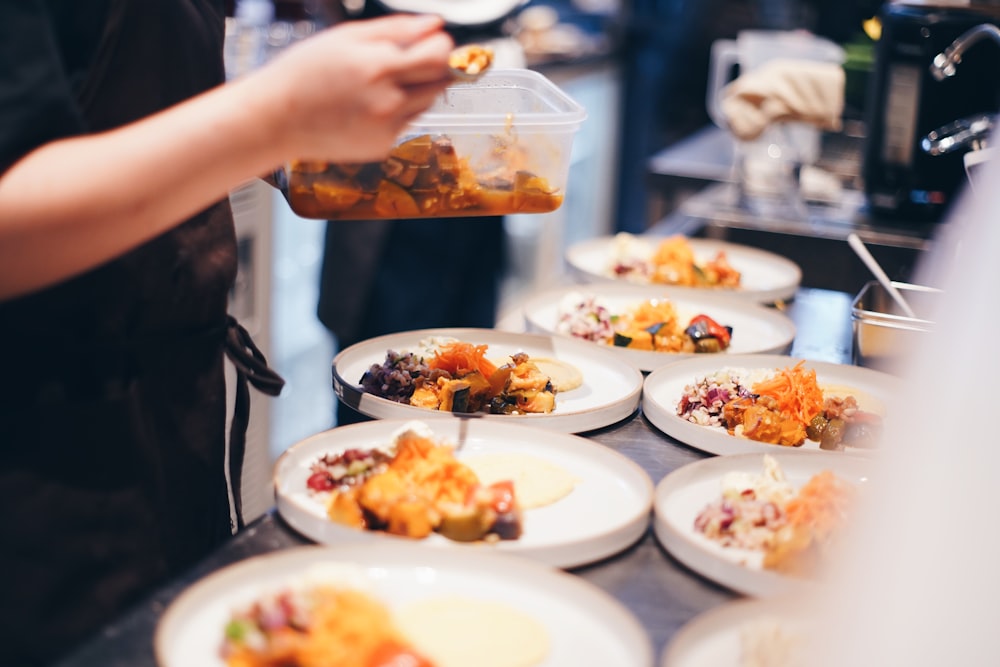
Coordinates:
[497,146]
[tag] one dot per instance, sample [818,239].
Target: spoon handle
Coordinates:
[862,250]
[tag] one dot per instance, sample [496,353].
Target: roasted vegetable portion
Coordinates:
[325,624]
[844,424]
[459,378]
[422,177]
[520,387]
[652,325]
[423,489]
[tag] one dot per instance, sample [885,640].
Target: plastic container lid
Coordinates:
[521,96]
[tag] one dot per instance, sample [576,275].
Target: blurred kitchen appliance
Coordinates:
[906,102]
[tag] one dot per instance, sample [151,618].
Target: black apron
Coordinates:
[112,387]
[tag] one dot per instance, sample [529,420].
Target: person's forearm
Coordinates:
[343,95]
[74,204]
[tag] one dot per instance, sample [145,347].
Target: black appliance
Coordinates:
[906,102]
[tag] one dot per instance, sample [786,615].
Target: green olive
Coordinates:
[833,435]
[816,427]
[466,524]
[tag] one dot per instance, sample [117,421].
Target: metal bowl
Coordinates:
[883,336]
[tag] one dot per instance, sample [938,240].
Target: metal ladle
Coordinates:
[861,249]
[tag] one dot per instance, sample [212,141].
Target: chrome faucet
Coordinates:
[943,65]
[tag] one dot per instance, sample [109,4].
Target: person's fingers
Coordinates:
[419,97]
[424,62]
[401,29]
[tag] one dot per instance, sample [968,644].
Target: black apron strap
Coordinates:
[251,368]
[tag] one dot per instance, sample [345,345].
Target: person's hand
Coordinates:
[346,93]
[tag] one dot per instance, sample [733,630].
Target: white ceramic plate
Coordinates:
[684,493]
[610,391]
[766,276]
[664,387]
[607,510]
[458,12]
[756,328]
[585,625]
[716,638]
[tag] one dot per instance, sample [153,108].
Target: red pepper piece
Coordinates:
[716,330]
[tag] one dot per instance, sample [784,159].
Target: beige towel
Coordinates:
[784,90]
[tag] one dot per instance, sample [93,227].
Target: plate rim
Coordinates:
[571,553]
[707,298]
[621,617]
[579,421]
[707,625]
[688,433]
[760,295]
[728,573]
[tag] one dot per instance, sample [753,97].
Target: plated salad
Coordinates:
[457,376]
[784,406]
[672,261]
[652,324]
[317,626]
[793,529]
[415,487]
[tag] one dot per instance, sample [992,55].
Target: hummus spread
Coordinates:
[461,632]
[537,482]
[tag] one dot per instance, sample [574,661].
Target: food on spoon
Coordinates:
[422,177]
[784,406]
[317,626]
[671,261]
[652,325]
[456,376]
[471,59]
[462,632]
[413,488]
[794,530]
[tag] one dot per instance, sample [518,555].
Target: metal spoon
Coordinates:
[469,62]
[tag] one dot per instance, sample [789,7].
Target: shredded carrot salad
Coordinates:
[796,392]
[822,504]
[460,358]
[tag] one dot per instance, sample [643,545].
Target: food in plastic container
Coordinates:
[498,146]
